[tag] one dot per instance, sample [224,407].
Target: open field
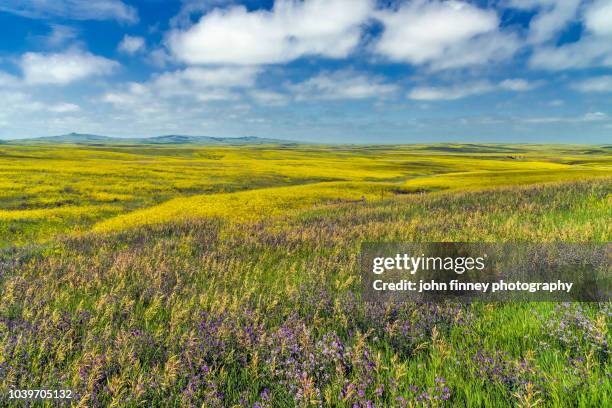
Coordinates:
[228,276]
[51,189]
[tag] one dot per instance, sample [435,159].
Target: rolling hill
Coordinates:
[89,139]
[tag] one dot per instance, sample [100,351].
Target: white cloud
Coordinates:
[196,77]
[447,34]
[595,116]
[12,100]
[588,52]
[587,117]
[329,28]
[159,58]
[545,120]
[59,35]
[216,95]
[427,93]
[192,84]
[597,84]
[598,18]
[63,68]
[552,17]
[72,9]
[449,93]
[518,85]
[131,44]
[138,99]
[18,101]
[64,108]
[190,8]
[8,80]
[131,97]
[344,84]
[269,98]
[594,48]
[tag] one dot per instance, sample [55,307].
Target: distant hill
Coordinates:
[87,139]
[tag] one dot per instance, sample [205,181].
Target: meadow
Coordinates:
[229,276]
[47,189]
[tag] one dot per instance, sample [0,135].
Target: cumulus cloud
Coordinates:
[8,80]
[185,100]
[439,35]
[292,29]
[196,77]
[598,18]
[72,9]
[63,68]
[19,101]
[453,92]
[344,84]
[28,112]
[443,34]
[59,35]
[585,53]
[193,84]
[594,48]
[131,44]
[597,84]
[159,57]
[13,100]
[551,19]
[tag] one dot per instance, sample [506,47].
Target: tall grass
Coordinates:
[267,312]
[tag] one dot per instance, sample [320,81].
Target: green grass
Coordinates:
[171,300]
[46,190]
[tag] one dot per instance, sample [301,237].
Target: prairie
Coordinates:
[46,190]
[190,276]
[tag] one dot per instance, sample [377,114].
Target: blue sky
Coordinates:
[348,71]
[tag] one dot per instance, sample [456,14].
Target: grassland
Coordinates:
[47,190]
[165,276]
